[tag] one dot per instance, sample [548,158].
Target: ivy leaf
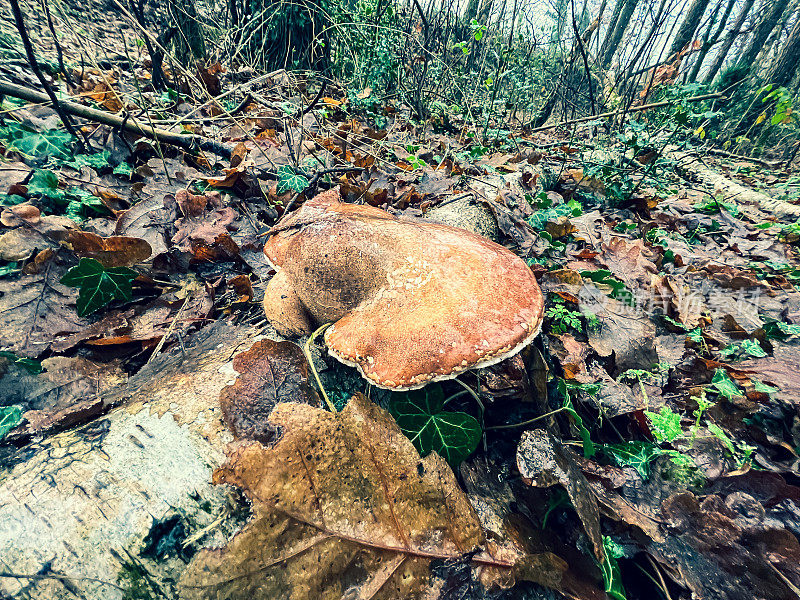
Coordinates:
[96,161]
[83,204]
[753,348]
[45,183]
[52,143]
[288,180]
[453,435]
[665,425]
[10,417]
[724,385]
[98,285]
[638,455]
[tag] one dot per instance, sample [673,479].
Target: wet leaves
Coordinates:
[270,373]
[543,462]
[343,504]
[36,309]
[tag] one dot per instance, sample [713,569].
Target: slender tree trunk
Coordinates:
[614,38]
[726,45]
[689,25]
[765,26]
[612,25]
[785,66]
[710,40]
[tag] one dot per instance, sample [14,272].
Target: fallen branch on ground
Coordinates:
[630,110]
[191,143]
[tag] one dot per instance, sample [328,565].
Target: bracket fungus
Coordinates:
[410,302]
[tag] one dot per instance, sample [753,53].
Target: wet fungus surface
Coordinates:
[410,302]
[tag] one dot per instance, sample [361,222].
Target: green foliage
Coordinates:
[778,330]
[618,288]
[290,180]
[31,144]
[724,385]
[714,205]
[97,161]
[9,268]
[665,424]
[562,319]
[744,349]
[565,387]
[740,451]
[638,455]
[453,435]
[10,417]
[74,202]
[546,212]
[781,101]
[612,576]
[290,35]
[99,285]
[32,366]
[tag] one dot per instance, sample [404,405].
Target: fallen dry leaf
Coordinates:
[35,309]
[544,462]
[114,251]
[270,372]
[67,388]
[148,220]
[344,507]
[204,219]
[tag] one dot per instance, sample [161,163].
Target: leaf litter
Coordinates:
[659,300]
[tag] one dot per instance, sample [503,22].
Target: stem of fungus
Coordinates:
[309,358]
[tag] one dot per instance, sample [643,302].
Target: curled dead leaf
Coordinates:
[270,372]
[114,251]
[543,462]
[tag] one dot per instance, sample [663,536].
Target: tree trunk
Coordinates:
[710,40]
[689,25]
[612,25]
[785,66]
[765,26]
[613,38]
[726,45]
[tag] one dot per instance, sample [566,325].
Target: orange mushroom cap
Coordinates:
[411,302]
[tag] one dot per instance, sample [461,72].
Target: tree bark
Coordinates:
[689,25]
[710,40]
[785,66]
[613,38]
[612,25]
[765,26]
[726,45]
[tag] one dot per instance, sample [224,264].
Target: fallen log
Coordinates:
[690,166]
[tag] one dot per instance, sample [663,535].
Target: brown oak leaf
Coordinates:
[344,507]
[270,372]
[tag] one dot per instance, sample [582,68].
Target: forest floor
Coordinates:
[646,445]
